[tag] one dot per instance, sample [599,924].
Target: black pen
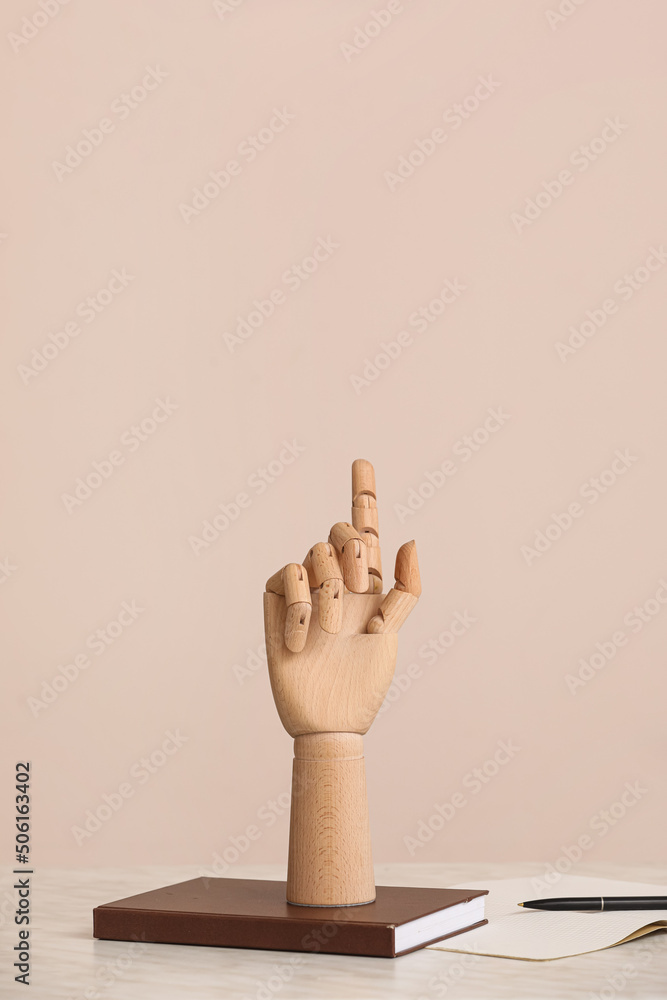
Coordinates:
[599,903]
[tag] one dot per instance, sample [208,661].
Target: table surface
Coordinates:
[69,963]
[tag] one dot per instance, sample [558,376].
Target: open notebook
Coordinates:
[513,932]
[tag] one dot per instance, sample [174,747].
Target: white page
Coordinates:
[513,932]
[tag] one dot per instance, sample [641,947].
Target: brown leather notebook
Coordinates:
[253,913]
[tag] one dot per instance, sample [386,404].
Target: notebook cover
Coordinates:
[254,913]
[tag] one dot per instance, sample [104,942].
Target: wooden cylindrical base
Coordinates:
[330,861]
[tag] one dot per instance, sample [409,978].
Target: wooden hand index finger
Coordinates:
[365,518]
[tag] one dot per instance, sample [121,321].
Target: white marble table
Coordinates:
[69,963]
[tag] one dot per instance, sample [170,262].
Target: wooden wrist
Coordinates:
[330,861]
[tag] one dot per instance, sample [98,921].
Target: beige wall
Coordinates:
[506,289]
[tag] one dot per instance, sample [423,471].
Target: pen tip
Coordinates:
[519,904]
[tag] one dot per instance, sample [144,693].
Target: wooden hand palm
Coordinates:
[329,676]
[337,682]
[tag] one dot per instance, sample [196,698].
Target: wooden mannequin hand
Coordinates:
[332,653]
[331,660]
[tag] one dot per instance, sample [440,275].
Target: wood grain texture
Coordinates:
[330,613]
[352,554]
[406,573]
[297,620]
[325,575]
[374,558]
[393,612]
[337,682]
[364,518]
[322,564]
[363,479]
[330,860]
[295,582]
[292,582]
